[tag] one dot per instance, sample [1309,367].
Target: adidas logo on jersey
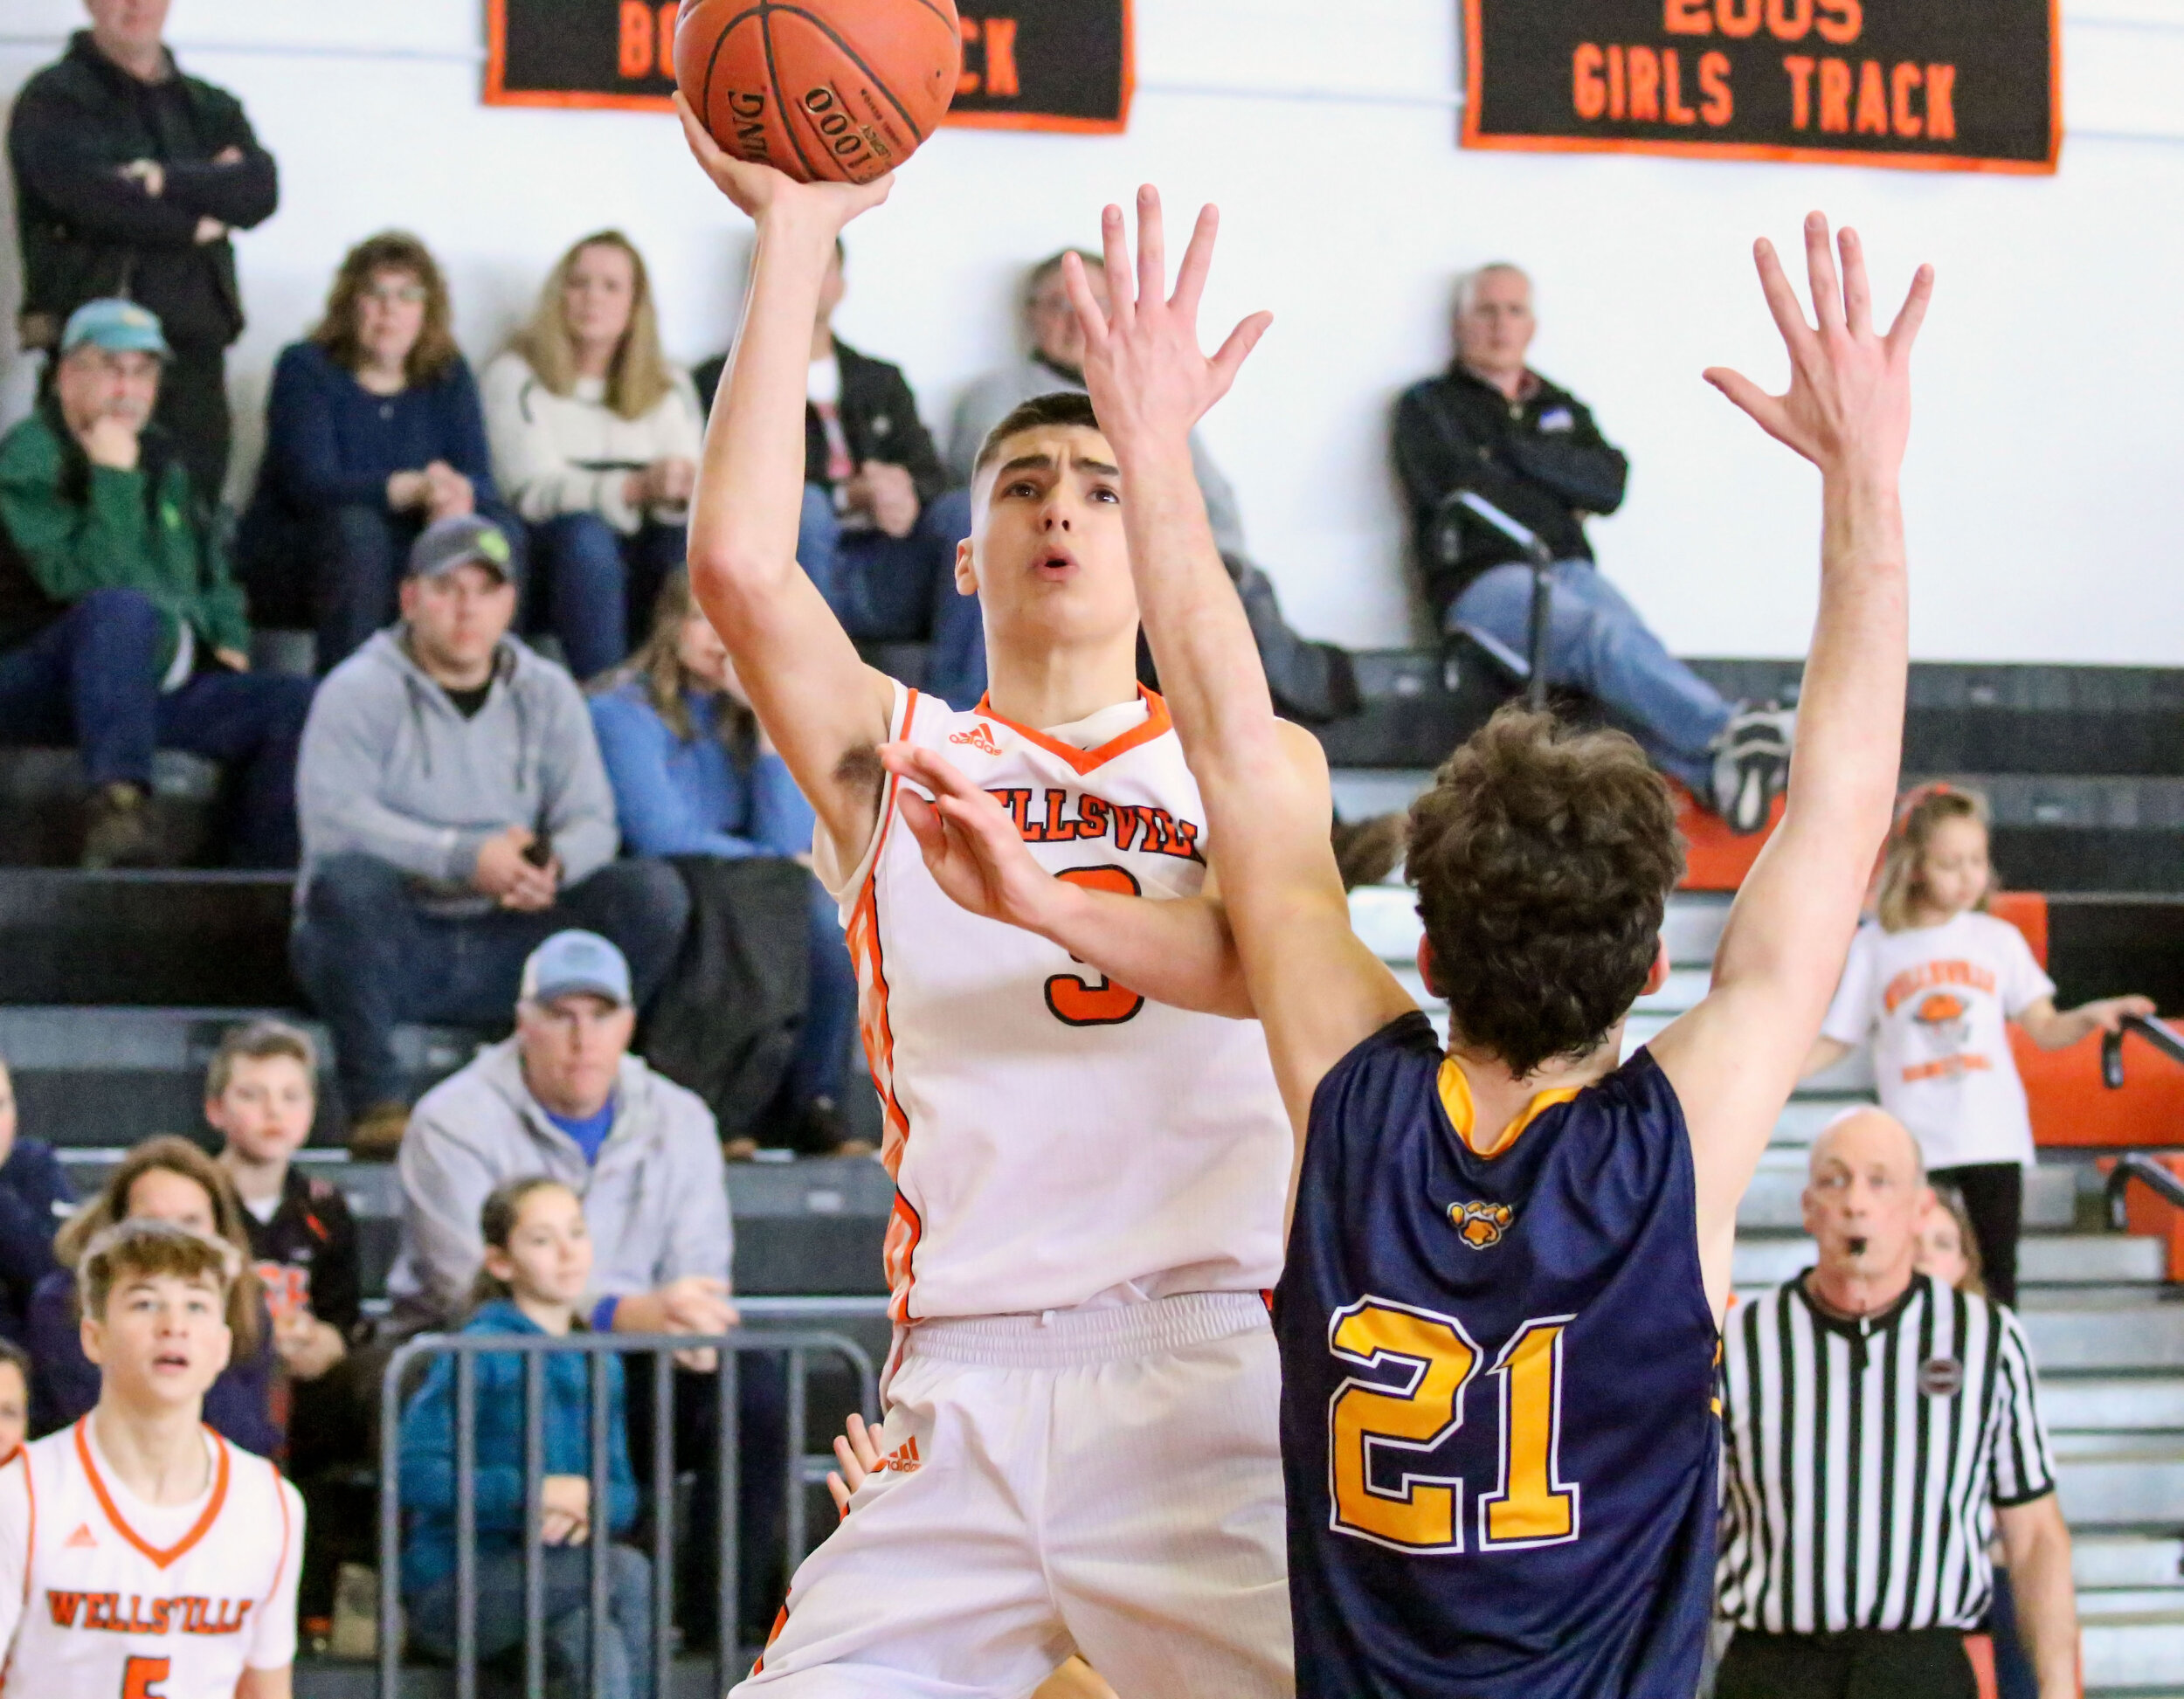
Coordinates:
[83,1536]
[1481,1225]
[904,1459]
[979,737]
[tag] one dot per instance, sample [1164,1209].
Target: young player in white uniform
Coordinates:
[142,1557]
[1090,1154]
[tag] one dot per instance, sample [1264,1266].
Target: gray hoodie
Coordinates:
[656,1201]
[392,769]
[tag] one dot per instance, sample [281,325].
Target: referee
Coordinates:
[1878,1427]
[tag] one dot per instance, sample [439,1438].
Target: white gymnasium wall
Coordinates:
[2050,440]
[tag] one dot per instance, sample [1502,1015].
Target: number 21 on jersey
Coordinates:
[1436,1360]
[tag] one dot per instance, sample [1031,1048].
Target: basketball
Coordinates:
[824,90]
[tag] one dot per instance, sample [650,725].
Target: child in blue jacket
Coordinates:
[537,1266]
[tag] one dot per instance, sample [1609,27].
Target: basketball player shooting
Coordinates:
[140,1555]
[1081,1450]
[1518,1217]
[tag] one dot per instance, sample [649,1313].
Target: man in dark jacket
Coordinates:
[129,176]
[121,629]
[881,523]
[1492,426]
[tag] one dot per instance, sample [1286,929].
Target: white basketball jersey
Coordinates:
[107,1596]
[1057,1140]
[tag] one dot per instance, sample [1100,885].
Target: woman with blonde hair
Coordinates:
[162,1179]
[596,439]
[1934,981]
[694,775]
[373,430]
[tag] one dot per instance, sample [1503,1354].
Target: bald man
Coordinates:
[1493,426]
[1878,1427]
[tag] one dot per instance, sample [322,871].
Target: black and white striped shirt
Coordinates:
[1862,1461]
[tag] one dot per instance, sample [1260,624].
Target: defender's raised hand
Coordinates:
[1149,380]
[1848,403]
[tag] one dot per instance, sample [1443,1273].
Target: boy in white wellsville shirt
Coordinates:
[140,1555]
[1934,981]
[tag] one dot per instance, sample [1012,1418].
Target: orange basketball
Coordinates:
[824,90]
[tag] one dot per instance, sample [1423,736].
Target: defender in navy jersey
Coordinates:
[1508,1260]
[1508,1257]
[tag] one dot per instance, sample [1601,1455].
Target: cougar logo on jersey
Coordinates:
[1481,1225]
[979,737]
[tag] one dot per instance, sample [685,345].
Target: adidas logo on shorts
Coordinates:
[904,1459]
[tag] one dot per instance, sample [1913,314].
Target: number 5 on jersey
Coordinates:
[1532,1505]
[144,1678]
[1075,1000]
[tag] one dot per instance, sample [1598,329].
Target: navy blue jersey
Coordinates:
[1498,1427]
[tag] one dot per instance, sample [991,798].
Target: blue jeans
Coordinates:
[370,957]
[599,585]
[359,554]
[92,679]
[822,1045]
[568,1577]
[902,589]
[1599,644]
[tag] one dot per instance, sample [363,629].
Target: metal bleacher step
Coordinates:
[2099,1342]
[2112,1404]
[2102,1486]
[186,938]
[111,1075]
[2065,1261]
[2128,1561]
[2136,1655]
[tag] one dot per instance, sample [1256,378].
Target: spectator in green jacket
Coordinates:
[121,631]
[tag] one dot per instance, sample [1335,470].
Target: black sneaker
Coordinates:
[118,831]
[1752,765]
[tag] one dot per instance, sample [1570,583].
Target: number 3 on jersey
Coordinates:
[1076,1001]
[1532,1505]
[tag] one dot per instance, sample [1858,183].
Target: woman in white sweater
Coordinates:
[596,440]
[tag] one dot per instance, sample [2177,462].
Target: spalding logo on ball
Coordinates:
[838,91]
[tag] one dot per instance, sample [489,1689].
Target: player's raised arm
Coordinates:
[822,706]
[1734,1058]
[1316,987]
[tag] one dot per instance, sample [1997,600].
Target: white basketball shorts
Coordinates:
[1102,1481]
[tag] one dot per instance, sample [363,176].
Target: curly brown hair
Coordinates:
[1544,857]
[434,351]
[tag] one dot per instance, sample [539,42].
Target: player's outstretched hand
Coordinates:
[761,190]
[858,1451]
[1848,403]
[1149,380]
[969,840]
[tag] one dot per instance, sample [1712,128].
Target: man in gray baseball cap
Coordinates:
[455,814]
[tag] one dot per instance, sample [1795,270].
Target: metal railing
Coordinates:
[2147,1172]
[797,1344]
[2157,1032]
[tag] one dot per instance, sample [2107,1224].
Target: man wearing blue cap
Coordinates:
[121,629]
[563,1096]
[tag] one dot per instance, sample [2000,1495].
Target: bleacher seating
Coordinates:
[114,988]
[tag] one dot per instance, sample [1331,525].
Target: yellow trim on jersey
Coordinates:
[1456,1100]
